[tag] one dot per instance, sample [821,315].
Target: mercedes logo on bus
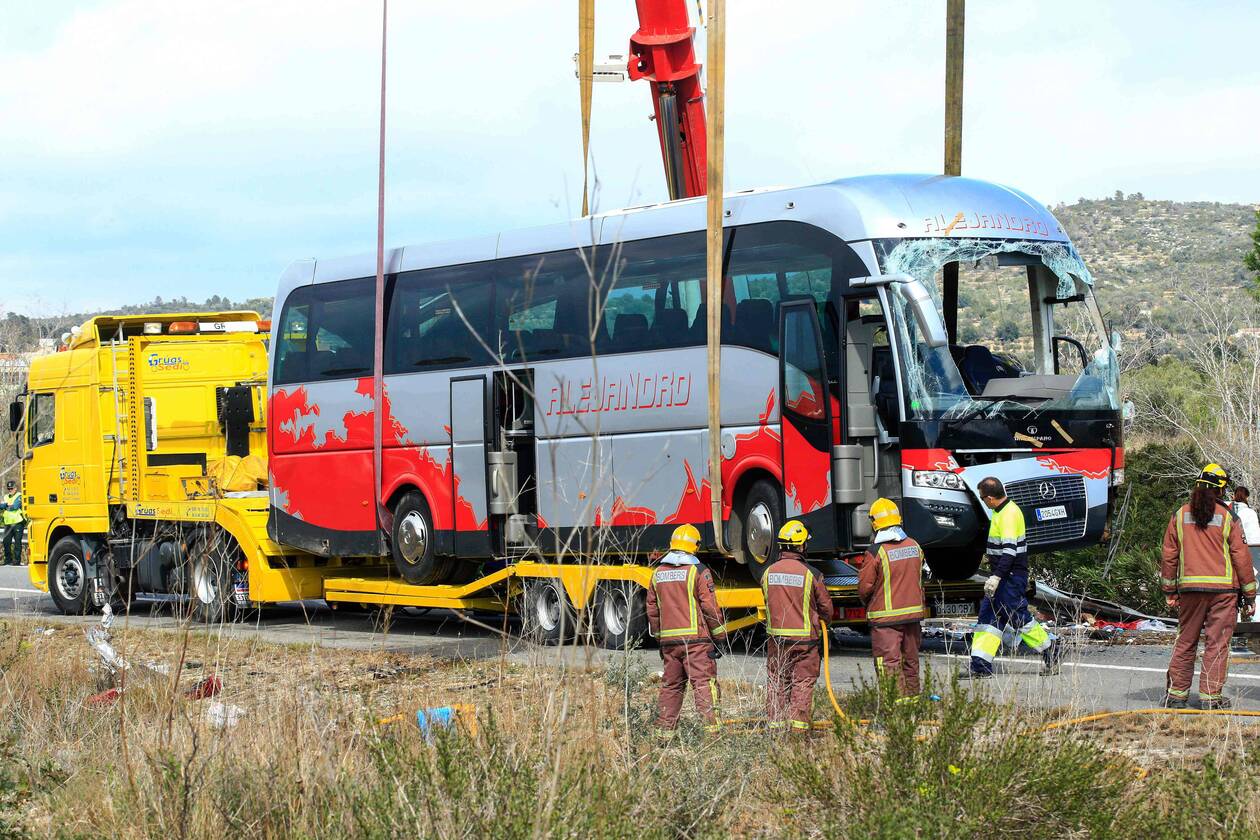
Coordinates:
[1046,490]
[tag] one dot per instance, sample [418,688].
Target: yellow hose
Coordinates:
[1059,724]
[831,693]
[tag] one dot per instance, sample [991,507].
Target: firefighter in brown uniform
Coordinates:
[684,616]
[890,584]
[1206,574]
[796,600]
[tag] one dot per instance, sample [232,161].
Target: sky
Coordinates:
[171,147]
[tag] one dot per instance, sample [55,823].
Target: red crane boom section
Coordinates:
[663,52]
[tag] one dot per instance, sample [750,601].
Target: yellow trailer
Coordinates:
[144,471]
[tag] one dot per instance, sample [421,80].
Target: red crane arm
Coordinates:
[663,52]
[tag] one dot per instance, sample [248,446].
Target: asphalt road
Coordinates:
[1095,676]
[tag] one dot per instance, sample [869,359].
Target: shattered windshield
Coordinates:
[1030,335]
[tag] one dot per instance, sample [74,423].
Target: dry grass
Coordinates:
[558,753]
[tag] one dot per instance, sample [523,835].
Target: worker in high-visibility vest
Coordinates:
[1206,575]
[1005,600]
[890,584]
[796,601]
[13,520]
[683,615]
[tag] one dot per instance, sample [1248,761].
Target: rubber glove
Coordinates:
[991,586]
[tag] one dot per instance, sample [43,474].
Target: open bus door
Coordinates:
[808,427]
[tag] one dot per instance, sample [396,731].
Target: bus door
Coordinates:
[807,427]
[866,461]
[468,466]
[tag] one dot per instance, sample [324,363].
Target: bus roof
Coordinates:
[854,209]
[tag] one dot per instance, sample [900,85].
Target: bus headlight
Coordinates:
[937,480]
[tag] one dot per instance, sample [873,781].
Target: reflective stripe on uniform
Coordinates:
[807,586]
[885,559]
[800,724]
[673,576]
[1035,636]
[985,643]
[1176,692]
[1217,521]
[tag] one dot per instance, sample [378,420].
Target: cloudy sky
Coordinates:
[172,147]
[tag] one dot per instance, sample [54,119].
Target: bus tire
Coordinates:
[547,617]
[67,576]
[620,614]
[412,543]
[755,526]
[210,580]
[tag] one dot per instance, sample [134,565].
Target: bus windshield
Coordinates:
[1030,336]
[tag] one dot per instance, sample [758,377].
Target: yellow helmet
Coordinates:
[1213,475]
[884,514]
[793,535]
[686,538]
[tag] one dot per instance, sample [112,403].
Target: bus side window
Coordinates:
[439,317]
[326,332]
[654,293]
[40,422]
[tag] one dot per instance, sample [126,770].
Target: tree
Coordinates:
[1252,259]
[1007,331]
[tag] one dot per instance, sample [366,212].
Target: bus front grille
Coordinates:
[1047,493]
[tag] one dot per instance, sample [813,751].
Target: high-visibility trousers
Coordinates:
[896,651]
[1007,608]
[791,674]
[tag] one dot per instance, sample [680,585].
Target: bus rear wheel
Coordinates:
[67,577]
[412,543]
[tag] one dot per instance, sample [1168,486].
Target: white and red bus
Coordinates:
[545,389]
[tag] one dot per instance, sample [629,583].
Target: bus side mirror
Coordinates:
[925,314]
[15,415]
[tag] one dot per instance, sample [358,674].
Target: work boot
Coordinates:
[968,674]
[1052,659]
[1172,701]
[1210,703]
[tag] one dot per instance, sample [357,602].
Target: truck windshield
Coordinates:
[1030,335]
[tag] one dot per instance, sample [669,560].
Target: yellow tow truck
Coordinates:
[143,445]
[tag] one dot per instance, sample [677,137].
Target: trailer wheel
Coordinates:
[620,614]
[755,526]
[210,580]
[412,543]
[67,577]
[547,617]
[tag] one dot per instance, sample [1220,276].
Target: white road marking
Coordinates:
[1233,675]
[31,591]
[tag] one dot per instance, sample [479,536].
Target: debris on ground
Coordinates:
[221,715]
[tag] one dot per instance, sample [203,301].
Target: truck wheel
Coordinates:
[67,577]
[755,525]
[412,543]
[210,581]
[620,614]
[547,617]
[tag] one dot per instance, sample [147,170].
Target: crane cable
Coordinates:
[586,75]
[715,127]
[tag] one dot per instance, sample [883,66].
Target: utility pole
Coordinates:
[955,16]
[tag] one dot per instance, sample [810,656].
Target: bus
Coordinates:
[545,390]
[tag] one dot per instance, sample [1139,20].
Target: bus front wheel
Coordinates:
[413,545]
[756,525]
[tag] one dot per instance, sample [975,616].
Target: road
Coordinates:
[1095,676]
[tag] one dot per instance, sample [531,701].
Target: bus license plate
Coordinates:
[1046,514]
[957,608]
